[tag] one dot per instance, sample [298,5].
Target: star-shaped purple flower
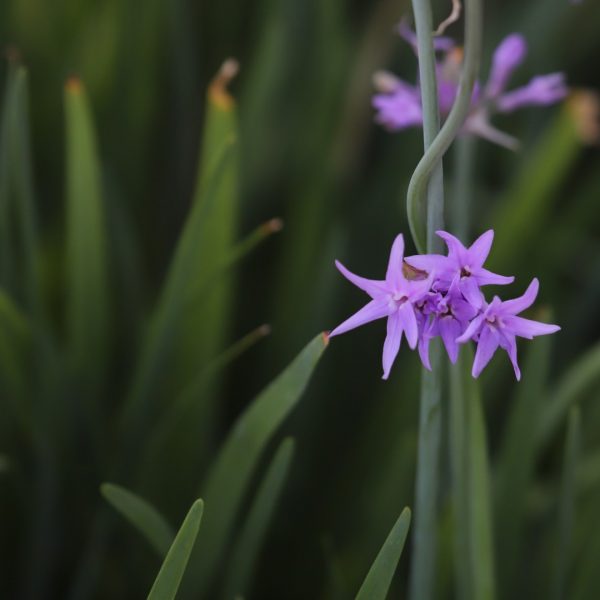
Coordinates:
[498,326]
[398,104]
[393,298]
[462,265]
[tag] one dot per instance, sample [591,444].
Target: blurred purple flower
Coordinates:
[398,104]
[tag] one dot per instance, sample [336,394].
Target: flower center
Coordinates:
[465,272]
[398,299]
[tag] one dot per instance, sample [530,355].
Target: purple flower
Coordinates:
[398,104]
[462,265]
[498,326]
[393,298]
[432,295]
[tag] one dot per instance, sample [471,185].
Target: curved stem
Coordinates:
[419,182]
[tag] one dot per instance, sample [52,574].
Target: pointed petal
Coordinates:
[509,343]
[429,263]
[424,352]
[471,330]
[478,124]
[540,91]
[376,309]
[394,276]
[480,249]
[456,250]
[519,304]
[408,319]
[450,329]
[470,290]
[507,57]
[487,345]
[373,287]
[485,277]
[392,343]
[528,328]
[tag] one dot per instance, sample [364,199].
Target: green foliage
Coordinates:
[377,582]
[143,516]
[169,577]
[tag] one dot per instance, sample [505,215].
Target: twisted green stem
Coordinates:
[420,180]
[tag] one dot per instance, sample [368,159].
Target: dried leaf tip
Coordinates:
[264,330]
[217,91]
[325,336]
[273,225]
[452,18]
[584,106]
[73,84]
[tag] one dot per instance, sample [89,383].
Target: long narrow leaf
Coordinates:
[230,475]
[471,486]
[171,572]
[249,540]
[142,515]
[87,282]
[379,578]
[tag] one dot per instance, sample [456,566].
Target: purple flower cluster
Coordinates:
[398,104]
[432,295]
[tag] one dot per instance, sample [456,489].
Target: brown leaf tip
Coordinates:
[73,84]
[584,106]
[217,91]
[274,225]
[325,336]
[264,330]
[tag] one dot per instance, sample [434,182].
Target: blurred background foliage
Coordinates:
[140,243]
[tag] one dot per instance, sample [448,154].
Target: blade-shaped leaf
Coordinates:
[249,540]
[470,485]
[566,506]
[379,578]
[171,572]
[87,281]
[230,474]
[142,515]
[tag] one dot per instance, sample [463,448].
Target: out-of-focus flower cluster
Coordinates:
[398,103]
[431,295]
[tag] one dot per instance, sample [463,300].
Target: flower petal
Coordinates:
[471,330]
[507,57]
[456,250]
[485,277]
[487,345]
[517,305]
[399,109]
[430,263]
[540,91]
[392,343]
[470,290]
[394,276]
[509,343]
[479,250]
[376,309]
[528,328]
[450,329]
[373,287]
[406,313]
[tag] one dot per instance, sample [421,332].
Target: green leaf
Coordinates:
[578,379]
[517,457]
[142,515]
[236,462]
[169,577]
[249,540]
[17,196]
[470,485]
[379,578]
[521,214]
[87,312]
[566,506]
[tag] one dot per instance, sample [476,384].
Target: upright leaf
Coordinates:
[566,506]
[230,474]
[87,311]
[379,578]
[169,577]
[142,515]
[470,486]
[248,542]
